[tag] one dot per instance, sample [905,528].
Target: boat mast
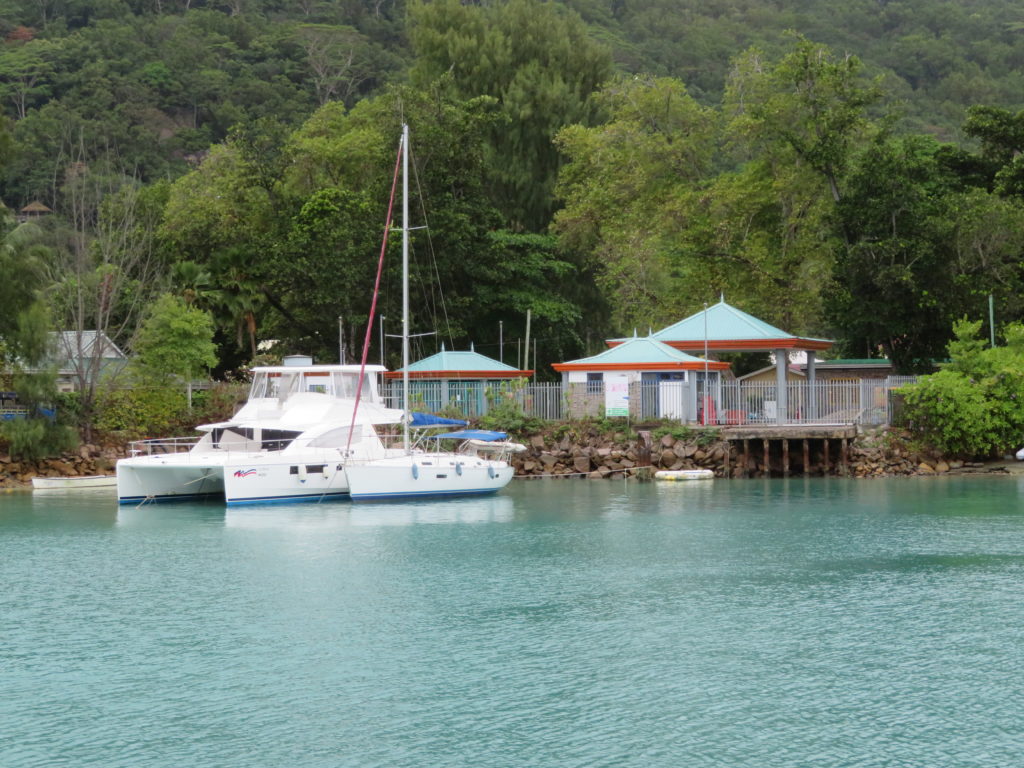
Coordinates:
[405,287]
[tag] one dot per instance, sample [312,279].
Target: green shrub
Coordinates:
[36,438]
[142,412]
[975,405]
[505,411]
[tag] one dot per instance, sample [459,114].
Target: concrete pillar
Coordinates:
[812,389]
[781,361]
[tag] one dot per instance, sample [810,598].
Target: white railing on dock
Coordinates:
[729,403]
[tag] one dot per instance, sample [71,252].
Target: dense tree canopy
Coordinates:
[600,165]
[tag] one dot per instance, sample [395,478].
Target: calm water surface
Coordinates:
[781,623]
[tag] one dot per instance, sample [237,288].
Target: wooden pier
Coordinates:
[768,450]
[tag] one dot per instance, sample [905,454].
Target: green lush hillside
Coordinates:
[848,170]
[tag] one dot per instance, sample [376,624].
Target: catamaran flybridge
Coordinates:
[289,442]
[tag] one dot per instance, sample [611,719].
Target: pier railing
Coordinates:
[729,403]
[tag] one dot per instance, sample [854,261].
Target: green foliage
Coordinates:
[540,63]
[629,185]
[505,411]
[36,438]
[141,412]
[975,406]
[704,436]
[175,340]
[921,251]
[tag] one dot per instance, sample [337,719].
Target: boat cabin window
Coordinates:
[259,386]
[282,385]
[335,438]
[277,439]
[344,384]
[234,439]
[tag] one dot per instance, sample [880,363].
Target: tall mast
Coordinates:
[405,287]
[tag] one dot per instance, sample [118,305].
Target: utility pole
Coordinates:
[991,320]
[382,319]
[501,341]
[526,360]
[341,341]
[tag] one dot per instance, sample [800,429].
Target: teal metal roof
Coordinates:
[460,361]
[638,350]
[724,323]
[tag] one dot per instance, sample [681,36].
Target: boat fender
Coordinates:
[327,473]
[415,472]
[490,472]
[302,473]
[458,468]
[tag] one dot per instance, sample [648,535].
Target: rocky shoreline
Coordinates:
[882,452]
[596,455]
[85,461]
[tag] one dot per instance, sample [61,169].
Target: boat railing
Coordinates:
[161,445]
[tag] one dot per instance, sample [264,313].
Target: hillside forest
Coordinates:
[850,171]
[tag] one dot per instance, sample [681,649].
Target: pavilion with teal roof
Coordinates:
[655,373]
[724,328]
[455,378]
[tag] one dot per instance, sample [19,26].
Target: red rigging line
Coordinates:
[376,291]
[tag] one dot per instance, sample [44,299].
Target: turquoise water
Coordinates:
[749,623]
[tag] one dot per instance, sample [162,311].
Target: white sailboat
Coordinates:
[477,466]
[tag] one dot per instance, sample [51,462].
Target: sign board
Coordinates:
[616,394]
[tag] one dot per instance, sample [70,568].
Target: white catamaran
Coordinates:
[288,443]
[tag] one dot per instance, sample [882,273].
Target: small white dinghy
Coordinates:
[684,474]
[89,482]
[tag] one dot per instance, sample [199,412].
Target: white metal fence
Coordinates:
[729,403]
[473,399]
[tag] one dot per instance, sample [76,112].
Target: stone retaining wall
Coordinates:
[87,460]
[881,452]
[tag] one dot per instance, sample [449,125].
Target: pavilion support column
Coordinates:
[812,389]
[781,410]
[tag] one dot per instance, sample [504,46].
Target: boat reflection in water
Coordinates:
[474,509]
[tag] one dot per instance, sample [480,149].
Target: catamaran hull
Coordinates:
[284,483]
[384,481]
[137,483]
[235,485]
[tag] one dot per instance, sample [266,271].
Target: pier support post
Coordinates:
[825,469]
[807,457]
[746,457]
[767,459]
[785,457]
[844,466]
